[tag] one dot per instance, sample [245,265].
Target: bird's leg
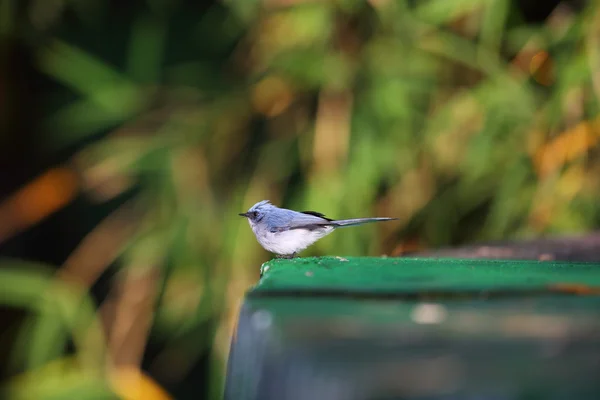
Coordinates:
[286,256]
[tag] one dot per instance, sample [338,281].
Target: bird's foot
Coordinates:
[286,256]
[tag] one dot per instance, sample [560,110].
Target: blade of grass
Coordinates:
[443,11]
[492,28]
[146,48]
[62,312]
[81,119]
[89,76]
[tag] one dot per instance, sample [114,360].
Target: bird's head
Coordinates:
[257,212]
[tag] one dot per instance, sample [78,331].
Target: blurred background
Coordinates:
[134,132]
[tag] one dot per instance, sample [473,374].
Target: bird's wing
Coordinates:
[297,220]
[316,214]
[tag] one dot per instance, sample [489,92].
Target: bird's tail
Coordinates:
[359,221]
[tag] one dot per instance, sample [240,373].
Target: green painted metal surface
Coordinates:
[416,328]
[365,274]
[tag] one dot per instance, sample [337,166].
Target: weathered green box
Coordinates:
[416,328]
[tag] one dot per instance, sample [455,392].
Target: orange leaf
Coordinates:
[38,199]
[569,145]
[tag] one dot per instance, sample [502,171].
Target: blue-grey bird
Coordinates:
[287,232]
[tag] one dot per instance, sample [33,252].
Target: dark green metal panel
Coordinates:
[366,329]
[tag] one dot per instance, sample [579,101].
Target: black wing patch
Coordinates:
[316,214]
[312,227]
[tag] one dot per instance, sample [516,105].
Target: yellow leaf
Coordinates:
[132,384]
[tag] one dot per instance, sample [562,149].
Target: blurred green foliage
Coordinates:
[457,117]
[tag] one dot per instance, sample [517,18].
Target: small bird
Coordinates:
[287,232]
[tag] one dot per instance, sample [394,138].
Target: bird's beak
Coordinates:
[243,215]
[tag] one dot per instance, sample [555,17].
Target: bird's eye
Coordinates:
[254,214]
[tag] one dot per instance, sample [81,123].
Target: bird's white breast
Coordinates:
[290,241]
